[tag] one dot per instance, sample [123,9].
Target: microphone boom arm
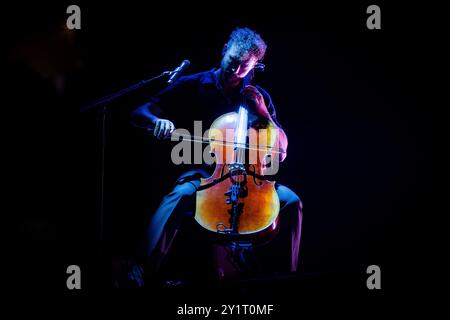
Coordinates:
[173,76]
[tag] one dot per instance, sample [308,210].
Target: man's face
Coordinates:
[235,64]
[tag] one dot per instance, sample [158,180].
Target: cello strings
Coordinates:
[227,143]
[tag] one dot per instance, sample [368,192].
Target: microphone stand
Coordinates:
[105,100]
[102,105]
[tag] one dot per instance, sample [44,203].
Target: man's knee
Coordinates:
[186,185]
[181,191]
[288,198]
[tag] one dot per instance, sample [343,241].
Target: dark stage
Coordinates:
[347,98]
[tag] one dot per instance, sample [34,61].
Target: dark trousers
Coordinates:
[280,254]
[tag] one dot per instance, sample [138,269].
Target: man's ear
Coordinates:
[225,47]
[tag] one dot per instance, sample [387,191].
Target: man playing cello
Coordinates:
[209,95]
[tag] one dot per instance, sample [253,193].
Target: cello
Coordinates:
[237,200]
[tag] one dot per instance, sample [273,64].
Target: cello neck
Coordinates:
[240,135]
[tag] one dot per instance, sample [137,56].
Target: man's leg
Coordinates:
[167,219]
[281,253]
[291,216]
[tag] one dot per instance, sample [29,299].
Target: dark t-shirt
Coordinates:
[199,97]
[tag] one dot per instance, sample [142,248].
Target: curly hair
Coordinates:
[248,41]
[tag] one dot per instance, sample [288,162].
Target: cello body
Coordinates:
[236,199]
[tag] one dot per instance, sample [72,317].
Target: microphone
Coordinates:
[175,74]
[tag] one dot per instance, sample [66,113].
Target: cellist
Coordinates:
[208,95]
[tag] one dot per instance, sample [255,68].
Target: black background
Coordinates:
[346,96]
